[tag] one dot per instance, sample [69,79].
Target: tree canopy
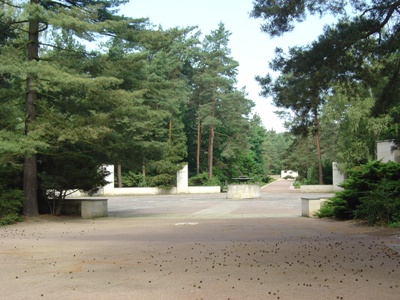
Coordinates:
[83,86]
[355,59]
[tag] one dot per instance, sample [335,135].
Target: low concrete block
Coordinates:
[94,208]
[309,206]
[86,208]
[243,191]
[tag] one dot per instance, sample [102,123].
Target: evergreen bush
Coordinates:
[10,205]
[371,193]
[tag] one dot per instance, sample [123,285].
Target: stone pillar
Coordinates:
[182,180]
[337,177]
[108,189]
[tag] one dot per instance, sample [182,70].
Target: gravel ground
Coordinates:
[199,247]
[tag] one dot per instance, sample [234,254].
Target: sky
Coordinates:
[249,46]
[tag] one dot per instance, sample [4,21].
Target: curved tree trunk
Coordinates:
[30,207]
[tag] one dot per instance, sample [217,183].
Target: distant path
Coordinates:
[279,186]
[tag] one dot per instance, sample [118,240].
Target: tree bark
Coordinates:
[210,151]
[30,207]
[198,146]
[119,175]
[144,172]
[170,133]
[318,145]
[211,134]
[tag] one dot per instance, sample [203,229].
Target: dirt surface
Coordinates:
[199,247]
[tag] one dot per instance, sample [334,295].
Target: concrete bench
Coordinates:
[243,191]
[309,206]
[87,208]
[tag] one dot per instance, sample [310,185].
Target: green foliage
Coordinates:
[371,193]
[326,210]
[61,175]
[164,181]
[135,100]
[203,180]
[358,53]
[350,132]
[131,179]
[381,205]
[394,225]
[280,16]
[10,205]
[274,151]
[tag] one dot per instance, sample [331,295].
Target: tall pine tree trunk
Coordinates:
[211,134]
[170,134]
[318,145]
[198,146]
[119,175]
[30,207]
[210,151]
[144,171]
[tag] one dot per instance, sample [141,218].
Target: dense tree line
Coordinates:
[340,92]
[82,86]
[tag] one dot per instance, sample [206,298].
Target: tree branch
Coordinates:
[10,4]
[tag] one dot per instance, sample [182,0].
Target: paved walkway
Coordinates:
[199,247]
[277,200]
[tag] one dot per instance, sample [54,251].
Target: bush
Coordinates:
[131,179]
[202,180]
[371,193]
[10,206]
[381,205]
[266,179]
[326,210]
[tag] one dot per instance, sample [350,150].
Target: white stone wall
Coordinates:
[181,188]
[337,177]
[109,188]
[285,173]
[182,180]
[384,152]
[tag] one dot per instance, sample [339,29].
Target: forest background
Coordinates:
[148,99]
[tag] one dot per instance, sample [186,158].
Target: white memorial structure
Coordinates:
[182,186]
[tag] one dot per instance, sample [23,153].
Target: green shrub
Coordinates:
[202,180]
[10,205]
[131,179]
[371,193]
[394,225]
[381,205]
[326,210]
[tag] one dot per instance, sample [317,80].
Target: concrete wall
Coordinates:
[127,191]
[182,187]
[243,191]
[384,152]
[337,177]
[108,189]
[316,188]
